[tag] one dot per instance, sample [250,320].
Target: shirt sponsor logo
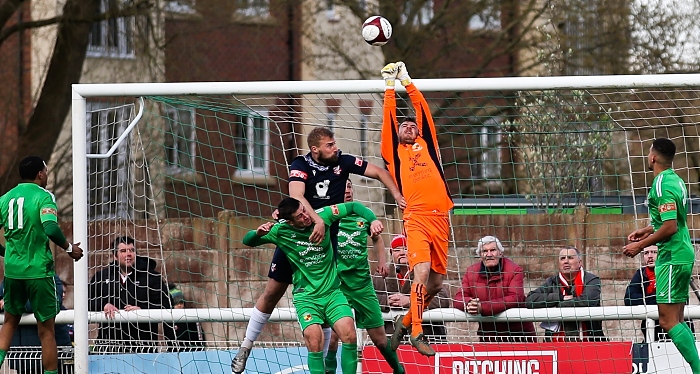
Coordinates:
[298,174]
[669,207]
[358,161]
[335,210]
[48,211]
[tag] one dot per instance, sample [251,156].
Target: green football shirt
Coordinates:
[23,210]
[353,264]
[315,273]
[668,200]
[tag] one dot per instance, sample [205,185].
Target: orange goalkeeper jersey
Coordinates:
[416,168]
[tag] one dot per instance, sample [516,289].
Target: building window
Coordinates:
[180,6]
[253,8]
[180,139]
[331,11]
[490,158]
[421,17]
[112,37]
[252,143]
[109,179]
[489,19]
[363,136]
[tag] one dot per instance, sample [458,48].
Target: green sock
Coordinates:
[331,361]
[348,358]
[684,340]
[2,356]
[50,371]
[392,359]
[315,361]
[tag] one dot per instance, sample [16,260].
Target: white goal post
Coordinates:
[81,317]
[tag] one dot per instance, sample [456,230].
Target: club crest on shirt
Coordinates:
[668,207]
[337,170]
[416,147]
[308,317]
[273,267]
[335,210]
[360,224]
[358,161]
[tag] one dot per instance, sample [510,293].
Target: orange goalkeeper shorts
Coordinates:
[427,234]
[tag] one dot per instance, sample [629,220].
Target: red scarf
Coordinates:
[578,283]
[651,287]
[577,291]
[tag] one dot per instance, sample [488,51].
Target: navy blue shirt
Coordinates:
[325,184]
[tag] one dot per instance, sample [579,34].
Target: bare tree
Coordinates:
[37,128]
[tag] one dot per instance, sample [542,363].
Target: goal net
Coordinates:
[540,163]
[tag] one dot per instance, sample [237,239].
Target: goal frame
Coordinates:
[80,92]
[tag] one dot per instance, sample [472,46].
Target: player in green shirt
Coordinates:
[356,284]
[317,295]
[668,209]
[28,214]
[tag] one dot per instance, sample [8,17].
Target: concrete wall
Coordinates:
[206,257]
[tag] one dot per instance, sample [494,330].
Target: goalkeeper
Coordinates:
[317,297]
[356,284]
[410,151]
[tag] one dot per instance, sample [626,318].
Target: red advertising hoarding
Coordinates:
[510,358]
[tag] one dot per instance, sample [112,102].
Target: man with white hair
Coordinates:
[490,287]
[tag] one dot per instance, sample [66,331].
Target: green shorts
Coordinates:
[368,313]
[672,282]
[41,294]
[322,310]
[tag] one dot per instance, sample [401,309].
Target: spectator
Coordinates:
[572,287]
[25,360]
[393,292]
[491,286]
[189,335]
[130,282]
[642,291]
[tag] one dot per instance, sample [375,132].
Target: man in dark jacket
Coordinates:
[129,283]
[394,290]
[572,287]
[642,291]
[490,287]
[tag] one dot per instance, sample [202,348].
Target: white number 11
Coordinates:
[11,214]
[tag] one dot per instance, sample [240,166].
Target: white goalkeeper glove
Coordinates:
[402,73]
[389,74]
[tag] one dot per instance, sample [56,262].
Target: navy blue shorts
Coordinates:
[280,268]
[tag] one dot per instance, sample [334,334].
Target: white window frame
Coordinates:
[125,37]
[489,142]
[253,8]
[252,170]
[173,160]
[123,204]
[422,18]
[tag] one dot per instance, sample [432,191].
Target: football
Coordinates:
[376,30]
